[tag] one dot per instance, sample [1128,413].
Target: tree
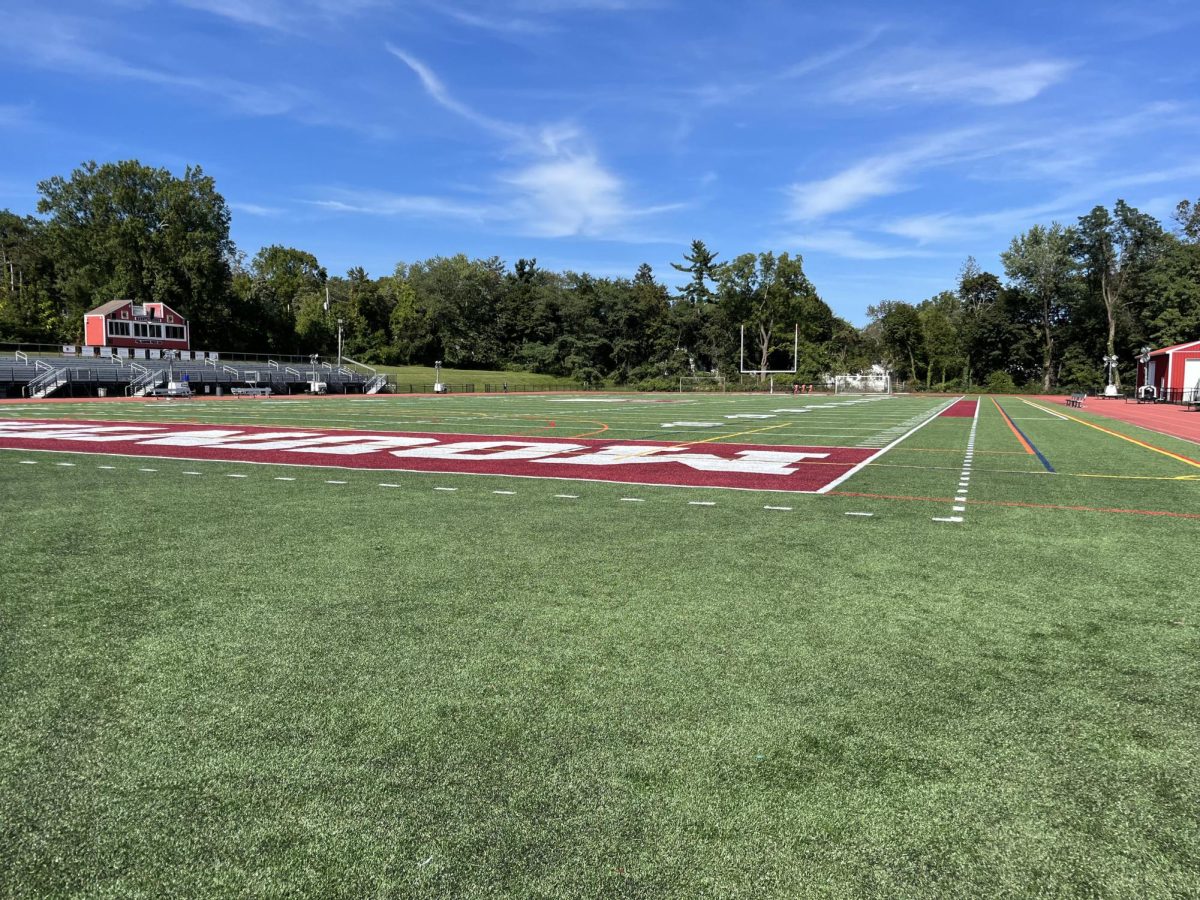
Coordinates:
[770,295]
[900,334]
[124,230]
[1115,249]
[1040,262]
[1187,216]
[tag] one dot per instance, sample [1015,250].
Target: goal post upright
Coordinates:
[795,356]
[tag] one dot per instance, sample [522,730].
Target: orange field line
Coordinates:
[1013,428]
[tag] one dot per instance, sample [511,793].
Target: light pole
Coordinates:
[339,342]
[1110,361]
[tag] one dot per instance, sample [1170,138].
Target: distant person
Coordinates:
[795,388]
[506,387]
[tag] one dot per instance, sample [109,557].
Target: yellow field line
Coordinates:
[722,437]
[1183,459]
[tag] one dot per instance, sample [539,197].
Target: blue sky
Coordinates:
[883,142]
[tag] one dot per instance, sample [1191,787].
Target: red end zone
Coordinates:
[741,466]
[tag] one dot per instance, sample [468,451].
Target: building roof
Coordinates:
[111,306]
[1184,346]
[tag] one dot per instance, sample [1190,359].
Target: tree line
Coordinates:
[1111,283]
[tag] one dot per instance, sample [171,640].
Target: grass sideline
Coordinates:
[246,685]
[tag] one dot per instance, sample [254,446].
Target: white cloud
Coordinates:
[280,15]
[876,176]
[381,203]
[563,189]
[569,196]
[970,82]
[844,243]
[254,209]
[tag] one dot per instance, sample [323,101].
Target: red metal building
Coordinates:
[1174,372]
[123,323]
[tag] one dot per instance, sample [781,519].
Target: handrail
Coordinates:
[135,367]
[271,364]
[22,356]
[230,370]
[41,366]
[290,371]
[210,362]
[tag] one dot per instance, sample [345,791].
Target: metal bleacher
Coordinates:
[72,376]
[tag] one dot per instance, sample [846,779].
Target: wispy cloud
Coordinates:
[846,244]
[876,176]
[962,81]
[65,44]
[563,189]
[255,209]
[381,203]
[281,15]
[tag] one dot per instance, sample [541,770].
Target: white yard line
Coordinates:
[874,456]
[964,482]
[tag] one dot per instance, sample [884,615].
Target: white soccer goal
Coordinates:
[710,381]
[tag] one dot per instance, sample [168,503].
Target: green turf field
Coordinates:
[286,685]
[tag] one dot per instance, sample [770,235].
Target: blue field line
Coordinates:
[1032,445]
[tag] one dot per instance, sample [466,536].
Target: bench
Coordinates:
[1076,400]
[250,391]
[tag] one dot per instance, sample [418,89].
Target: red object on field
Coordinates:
[744,466]
[964,408]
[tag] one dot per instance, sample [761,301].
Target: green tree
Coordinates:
[1040,262]
[1115,249]
[126,230]
[771,296]
[900,334]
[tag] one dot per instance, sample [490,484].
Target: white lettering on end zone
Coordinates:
[475,450]
[758,462]
[715,465]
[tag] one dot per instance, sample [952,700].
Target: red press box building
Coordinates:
[1174,372]
[123,323]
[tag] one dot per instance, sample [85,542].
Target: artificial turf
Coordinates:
[228,686]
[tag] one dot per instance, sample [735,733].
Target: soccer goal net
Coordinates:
[868,383]
[707,382]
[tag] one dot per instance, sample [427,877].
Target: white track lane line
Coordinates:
[780,508]
[503,492]
[232,475]
[281,478]
[567,496]
[337,482]
[388,485]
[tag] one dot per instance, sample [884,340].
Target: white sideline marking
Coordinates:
[105,467]
[567,496]
[633,499]
[147,470]
[1043,409]
[229,475]
[860,514]
[445,489]
[284,479]
[335,482]
[958,509]
[386,484]
[64,464]
[32,462]
[701,503]
[503,492]
[780,508]
[947,519]
[878,453]
[191,473]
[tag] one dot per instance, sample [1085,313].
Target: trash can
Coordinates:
[218,390]
[101,392]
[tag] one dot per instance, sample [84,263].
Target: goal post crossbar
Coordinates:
[795,357]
